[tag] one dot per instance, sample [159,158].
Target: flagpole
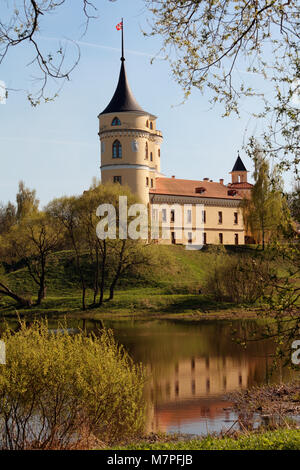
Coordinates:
[122,58]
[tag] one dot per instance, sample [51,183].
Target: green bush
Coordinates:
[61,391]
[238,279]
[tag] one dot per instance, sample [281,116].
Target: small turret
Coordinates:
[239,171]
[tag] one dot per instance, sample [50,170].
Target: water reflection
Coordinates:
[191,367]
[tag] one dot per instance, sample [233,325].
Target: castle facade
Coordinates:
[131,155]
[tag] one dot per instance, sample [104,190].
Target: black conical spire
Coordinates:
[123,99]
[239,165]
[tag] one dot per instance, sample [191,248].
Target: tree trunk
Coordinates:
[96,277]
[118,272]
[21,301]
[102,273]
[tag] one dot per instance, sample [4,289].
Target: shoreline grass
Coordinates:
[280,439]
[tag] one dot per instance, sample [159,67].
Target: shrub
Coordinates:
[61,391]
[238,279]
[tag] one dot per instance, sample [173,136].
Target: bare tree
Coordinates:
[20,23]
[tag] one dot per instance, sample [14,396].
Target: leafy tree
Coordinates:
[266,213]
[32,241]
[27,203]
[208,41]
[8,217]
[294,202]
[66,212]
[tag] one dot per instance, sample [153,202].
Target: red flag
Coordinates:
[119,26]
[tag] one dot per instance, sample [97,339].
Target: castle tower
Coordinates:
[239,172]
[130,143]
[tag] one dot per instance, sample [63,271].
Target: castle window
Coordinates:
[220,215]
[151,156]
[172,216]
[116,122]
[118,179]
[147,124]
[204,217]
[204,238]
[151,125]
[236,238]
[164,215]
[236,218]
[117,149]
[189,216]
[159,152]
[151,183]
[147,181]
[221,238]
[146,151]
[190,237]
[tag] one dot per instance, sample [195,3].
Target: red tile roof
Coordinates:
[178,187]
[240,185]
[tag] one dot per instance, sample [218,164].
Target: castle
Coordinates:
[131,154]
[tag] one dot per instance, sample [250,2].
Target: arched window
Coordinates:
[151,125]
[146,151]
[117,149]
[116,122]
[147,124]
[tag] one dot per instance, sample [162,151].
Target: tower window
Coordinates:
[118,179]
[116,122]
[117,149]
[151,125]
[147,124]
[220,214]
[221,238]
[146,151]
[236,238]
[147,181]
[159,152]
[151,156]
[151,183]
[172,216]
[204,217]
[236,218]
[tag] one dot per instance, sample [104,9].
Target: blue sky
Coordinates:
[55,148]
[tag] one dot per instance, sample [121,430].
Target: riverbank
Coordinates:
[280,439]
[269,400]
[135,303]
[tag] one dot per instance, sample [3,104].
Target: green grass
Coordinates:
[169,287]
[282,439]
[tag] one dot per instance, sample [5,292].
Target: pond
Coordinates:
[192,366]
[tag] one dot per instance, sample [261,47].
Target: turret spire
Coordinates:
[123,99]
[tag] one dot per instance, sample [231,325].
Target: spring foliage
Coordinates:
[61,391]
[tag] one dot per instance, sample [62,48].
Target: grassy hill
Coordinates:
[171,285]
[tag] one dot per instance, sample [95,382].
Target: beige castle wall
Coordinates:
[132,132]
[211,227]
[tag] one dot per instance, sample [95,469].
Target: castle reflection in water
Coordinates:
[194,388]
